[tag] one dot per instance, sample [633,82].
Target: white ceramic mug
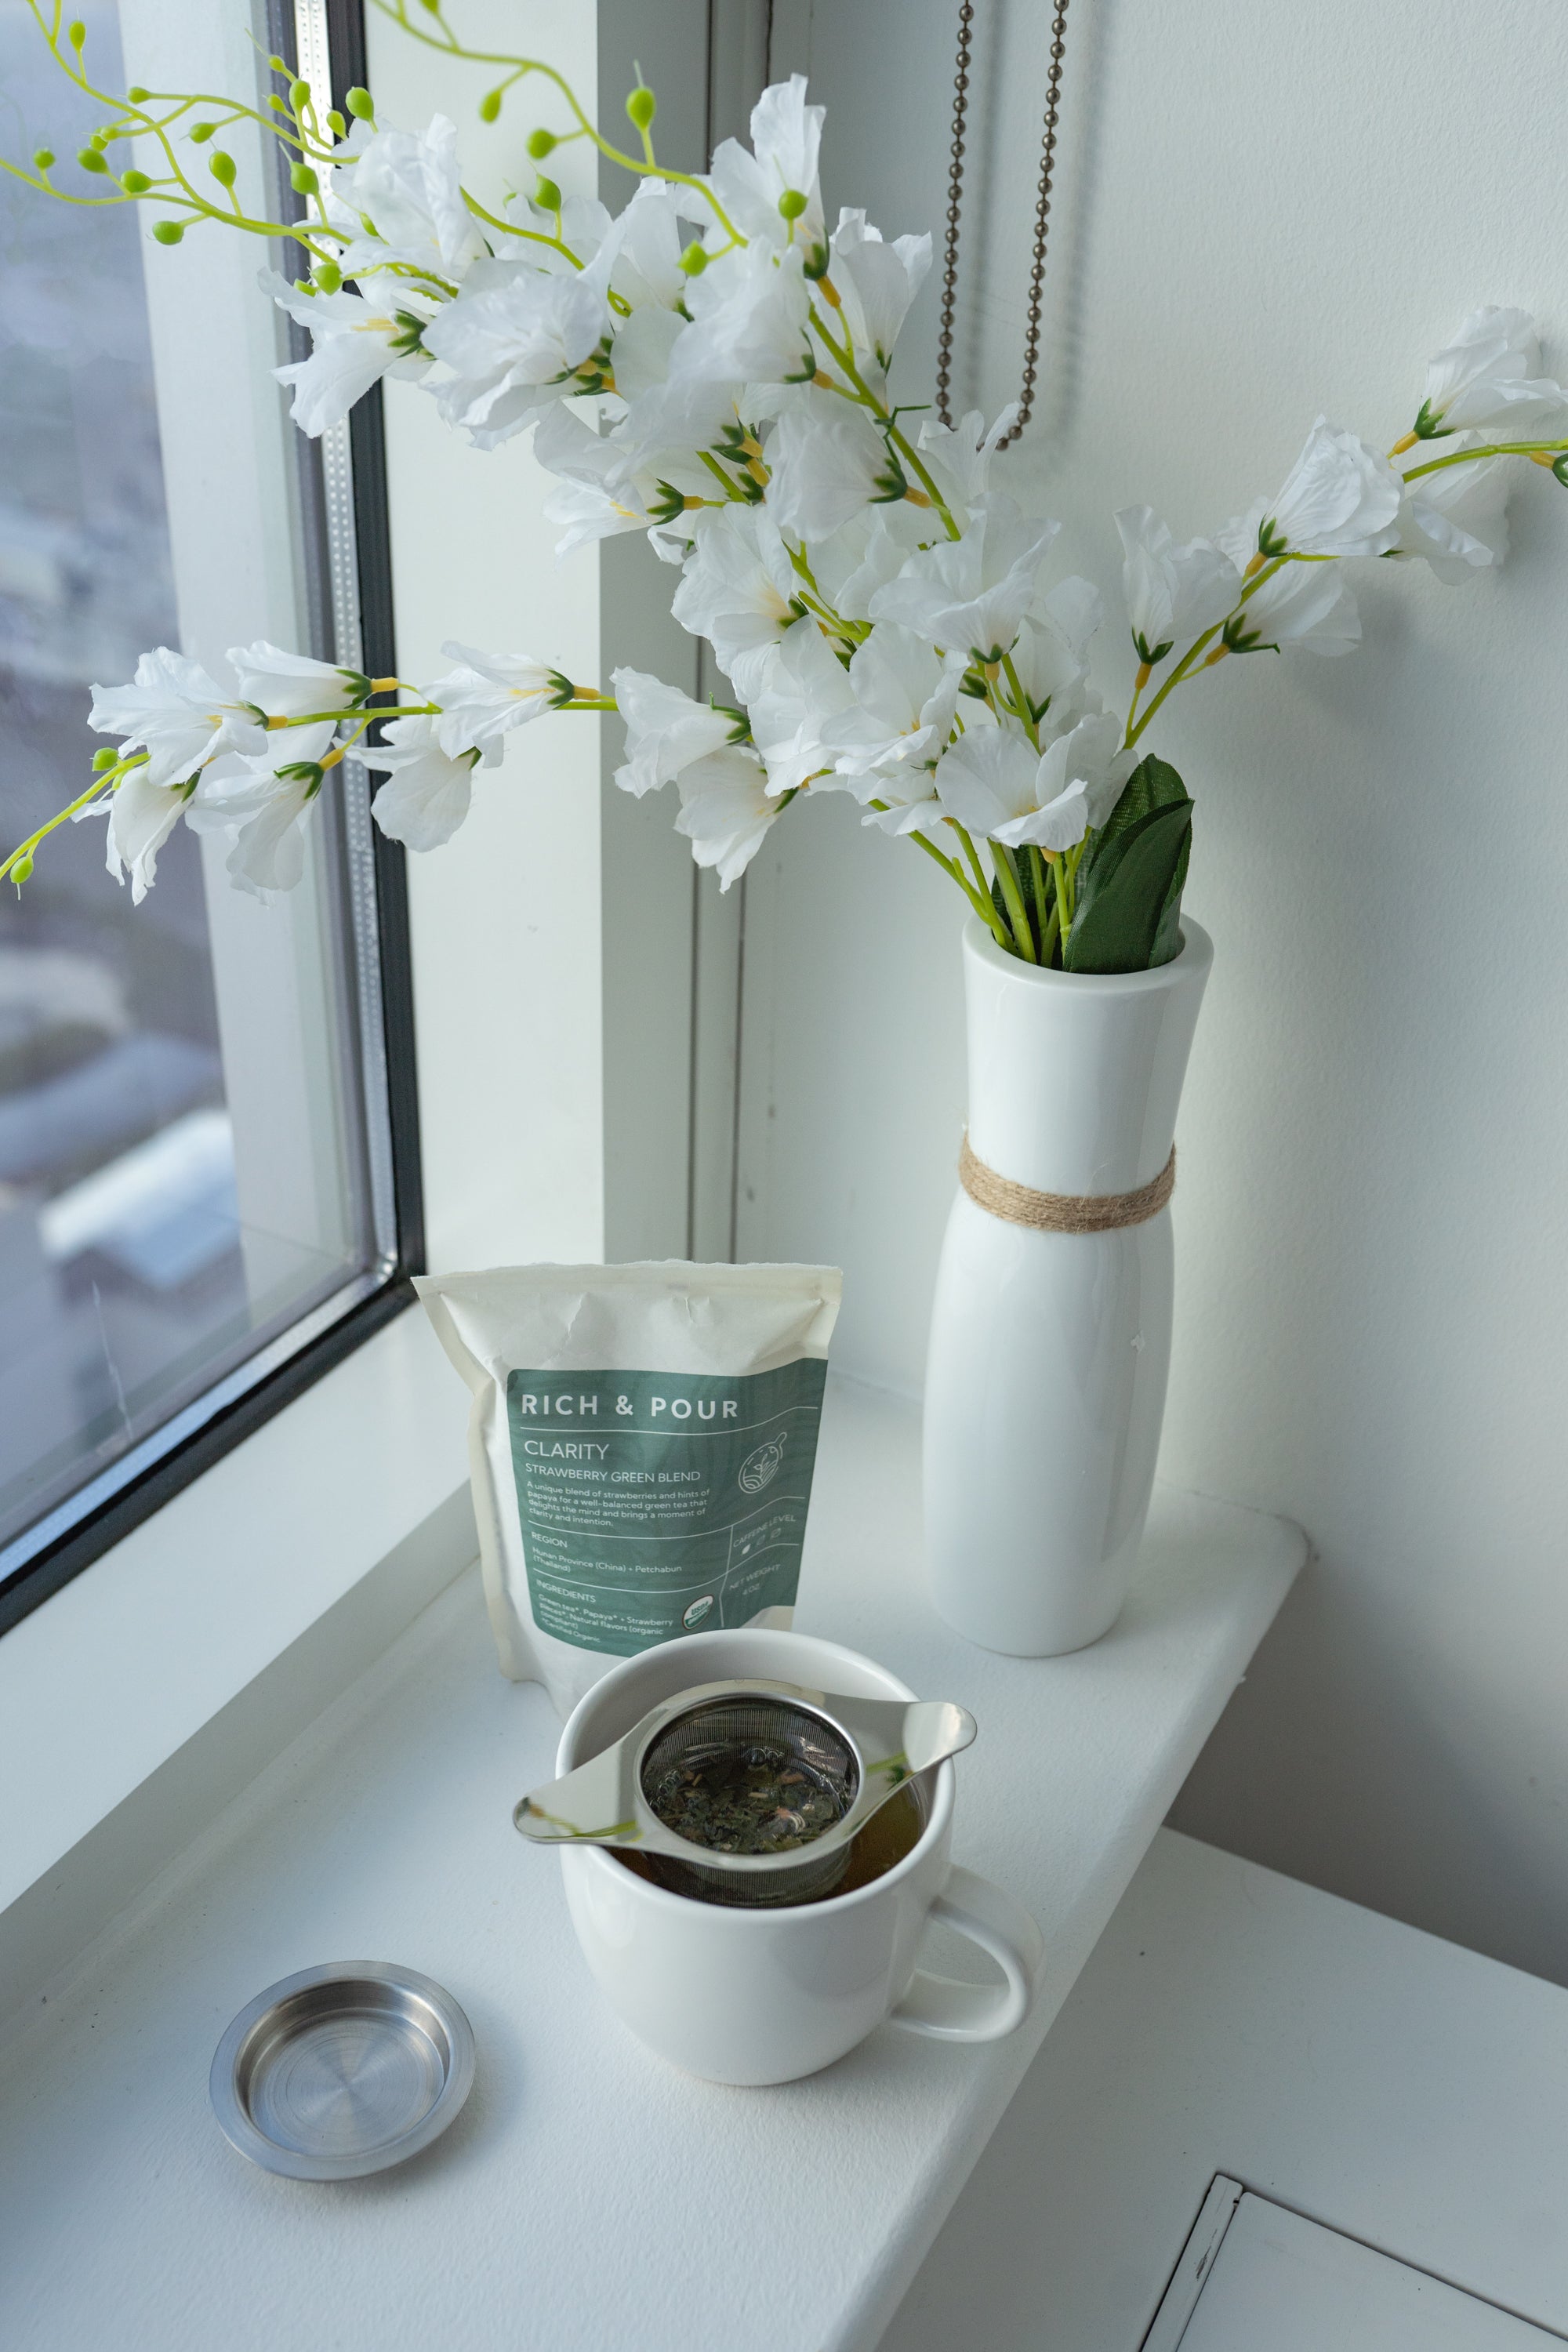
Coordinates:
[765,1996]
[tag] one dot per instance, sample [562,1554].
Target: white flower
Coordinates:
[355,339]
[786,136]
[643,348]
[174,712]
[863,554]
[1051,653]
[490,695]
[515,340]
[985,781]
[1173,593]
[993,782]
[808,686]
[1087,764]
[905,695]
[142,816]
[971,595]
[1486,378]
[1340,497]
[908,801]
[737,591]
[876,283]
[827,463]
[667,732]
[959,459]
[749,323]
[427,795]
[1309,605]
[664,426]
[1458,519]
[291,685]
[404,192]
[645,245]
[262,804]
[597,497]
[725,811]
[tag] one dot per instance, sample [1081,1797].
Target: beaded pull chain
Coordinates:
[1042,219]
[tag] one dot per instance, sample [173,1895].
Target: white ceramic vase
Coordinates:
[1046,1376]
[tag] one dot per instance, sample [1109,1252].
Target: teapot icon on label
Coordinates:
[761,1468]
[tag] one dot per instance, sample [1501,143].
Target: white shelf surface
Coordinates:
[589,2197]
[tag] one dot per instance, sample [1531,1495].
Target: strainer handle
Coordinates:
[951,2011]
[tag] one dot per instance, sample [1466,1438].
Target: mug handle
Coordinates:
[951,2011]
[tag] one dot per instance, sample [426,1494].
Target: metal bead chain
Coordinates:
[1042,219]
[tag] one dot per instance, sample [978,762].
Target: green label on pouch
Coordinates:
[655,1504]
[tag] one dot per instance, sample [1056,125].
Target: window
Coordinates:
[208,1167]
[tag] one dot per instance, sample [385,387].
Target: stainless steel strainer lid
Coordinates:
[757,1789]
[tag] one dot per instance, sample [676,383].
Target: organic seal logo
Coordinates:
[698,1611]
[758,1469]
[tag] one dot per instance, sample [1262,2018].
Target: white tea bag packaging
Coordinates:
[641,1447]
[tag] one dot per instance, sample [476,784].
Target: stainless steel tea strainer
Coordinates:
[753,1790]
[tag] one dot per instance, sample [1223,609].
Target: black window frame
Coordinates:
[226,1425]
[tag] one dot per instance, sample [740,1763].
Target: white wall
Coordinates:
[1264,212]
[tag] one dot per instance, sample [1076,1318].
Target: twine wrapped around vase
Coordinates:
[1062,1213]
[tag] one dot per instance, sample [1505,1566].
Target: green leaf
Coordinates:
[1130,883]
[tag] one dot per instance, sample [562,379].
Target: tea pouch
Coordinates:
[641,1448]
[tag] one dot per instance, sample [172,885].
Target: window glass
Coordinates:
[184,1141]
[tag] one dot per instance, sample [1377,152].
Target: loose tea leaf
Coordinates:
[756,1779]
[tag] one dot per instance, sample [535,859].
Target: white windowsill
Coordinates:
[122,1669]
[589,2196]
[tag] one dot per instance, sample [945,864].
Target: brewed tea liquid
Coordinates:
[891,1832]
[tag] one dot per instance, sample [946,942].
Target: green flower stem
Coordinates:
[843,356]
[133,120]
[1492,449]
[105,783]
[982,879]
[450,45]
[981,906]
[1057,919]
[1185,669]
[731,489]
[1023,930]
[1020,700]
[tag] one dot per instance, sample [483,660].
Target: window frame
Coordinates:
[346,550]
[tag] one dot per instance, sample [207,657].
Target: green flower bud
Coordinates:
[694,260]
[104,756]
[641,107]
[136,93]
[541,143]
[42,158]
[299,94]
[329,277]
[1560,467]
[222,167]
[792,204]
[547,195]
[202,131]
[489,106]
[358,103]
[77,34]
[136,184]
[168,232]
[336,124]
[278,65]
[91,158]
[303,180]
[22,871]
